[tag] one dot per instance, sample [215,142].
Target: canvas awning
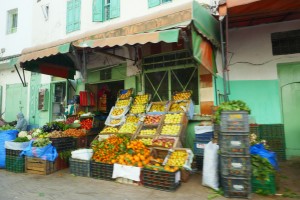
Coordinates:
[162,26]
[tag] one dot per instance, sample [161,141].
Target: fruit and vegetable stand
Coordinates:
[142,144]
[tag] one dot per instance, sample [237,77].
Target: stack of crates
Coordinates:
[203,135]
[235,160]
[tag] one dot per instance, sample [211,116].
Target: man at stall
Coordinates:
[21,123]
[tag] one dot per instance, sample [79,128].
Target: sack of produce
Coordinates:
[41,148]
[82,154]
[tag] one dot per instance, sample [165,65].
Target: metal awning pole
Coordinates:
[20,76]
[224,68]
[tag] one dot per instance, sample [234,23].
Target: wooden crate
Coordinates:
[39,166]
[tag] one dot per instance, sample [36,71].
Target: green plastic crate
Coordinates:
[264,187]
[15,164]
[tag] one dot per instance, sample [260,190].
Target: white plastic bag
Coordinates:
[210,176]
[82,154]
[16,145]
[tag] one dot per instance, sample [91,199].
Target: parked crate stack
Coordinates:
[235,160]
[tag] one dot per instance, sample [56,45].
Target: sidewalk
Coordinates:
[64,186]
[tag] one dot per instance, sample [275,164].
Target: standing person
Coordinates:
[21,123]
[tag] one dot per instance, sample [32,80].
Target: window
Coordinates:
[73,15]
[165,74]
[45,10]
[286,42]
[105,74]
[104,10]
[153,3]
[12,21]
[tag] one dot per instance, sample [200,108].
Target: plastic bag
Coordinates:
[210,176]
[16,145]
[45,153]
[5,136]
[259,149]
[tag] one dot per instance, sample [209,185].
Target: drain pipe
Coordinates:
[224,59]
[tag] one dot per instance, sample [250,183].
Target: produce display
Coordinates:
[148,131]
[128,128]
[86,123]
[125,94]
[108,150]
[117,111]
[56,134]
[7,127]
[163,142]
[109,129]
[115,121]
[70,120]
[157,107]
[177,158]
[137,109]
[132,119]
[137,154]
[159,167]
[170,129]
[23,136]
[152,119]
[178,107]
[41,142]
[74,132]
[182,96]
[123,103]
[173,118]
[146,141]
[54,126]
[141,99]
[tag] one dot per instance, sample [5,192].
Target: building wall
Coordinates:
[253,69]
[55,27]
[15,42]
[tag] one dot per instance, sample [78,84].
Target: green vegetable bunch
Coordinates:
[41,142]
[261,168]
[235,105]
[21,139]
[7,127]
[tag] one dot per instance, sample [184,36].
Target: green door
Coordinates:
[291,110]
[289,79]
[35,83]
[15,101]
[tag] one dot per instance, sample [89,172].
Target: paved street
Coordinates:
[64,186]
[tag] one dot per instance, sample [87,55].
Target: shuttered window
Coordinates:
[105,10]
[73,15]
[153,3]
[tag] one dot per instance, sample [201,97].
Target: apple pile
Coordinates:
[170,129]
[128,128]
[163,142]
[109,129]
[132,119]
[146,141]
[173,118]
[182,96]
[141,99]
[177,158]
[152,119]
[138,109]
[157,108]
[178,107]
[126,95]
[149,131]
[115,121]
[123,103]
[117,111]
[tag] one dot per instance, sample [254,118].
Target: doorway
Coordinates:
[111,90]
[289,80]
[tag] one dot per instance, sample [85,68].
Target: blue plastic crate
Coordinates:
[199,147]
[204,136]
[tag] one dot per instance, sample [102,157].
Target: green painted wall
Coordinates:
[80,86]
[130,82]
[262,96]
[117,73]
